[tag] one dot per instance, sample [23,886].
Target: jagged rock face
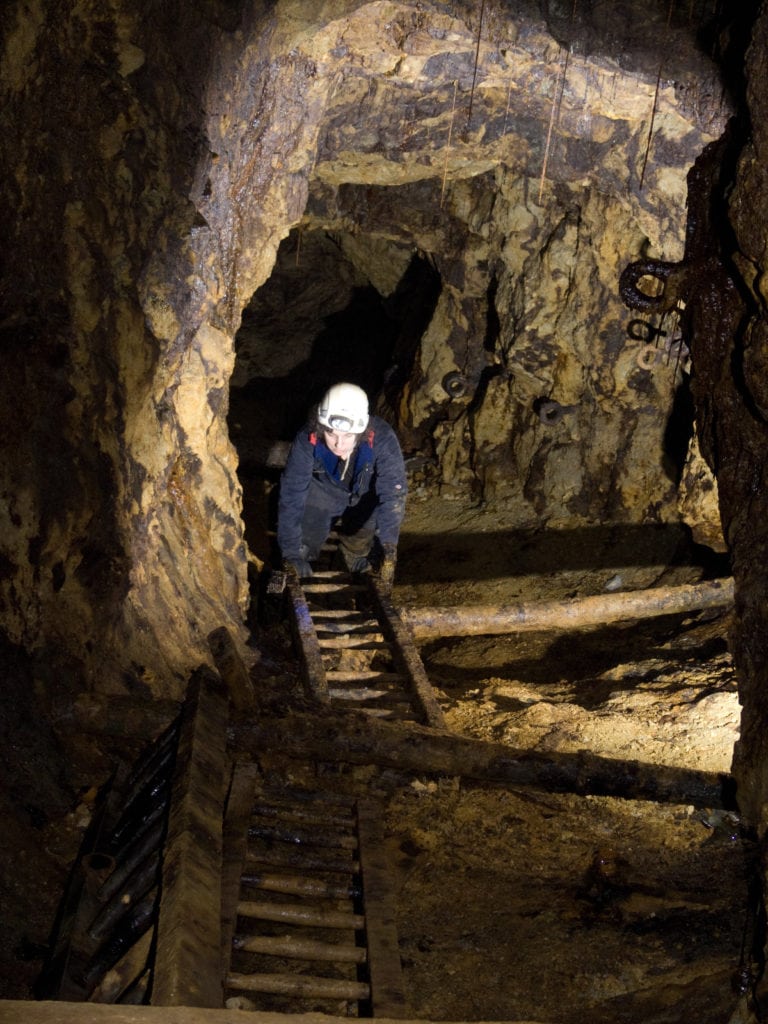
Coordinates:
[152,166]
[727,294]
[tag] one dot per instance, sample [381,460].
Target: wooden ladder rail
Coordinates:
[305,638]
[187,959]
[406,655]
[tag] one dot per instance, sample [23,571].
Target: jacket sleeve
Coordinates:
[391,484]
[294,484]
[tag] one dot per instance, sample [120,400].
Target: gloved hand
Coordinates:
[388,563]
[360,564]
[300,566]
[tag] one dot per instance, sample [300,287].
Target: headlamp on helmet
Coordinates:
[345,408]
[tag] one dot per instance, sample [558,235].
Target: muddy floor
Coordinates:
[512,904]
[536,906]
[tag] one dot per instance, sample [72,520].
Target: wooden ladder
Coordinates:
[308,905]
[356,651]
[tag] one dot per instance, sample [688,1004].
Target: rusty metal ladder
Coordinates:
[355,649]
[308,921]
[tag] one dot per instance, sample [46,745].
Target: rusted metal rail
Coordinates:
[574,613]
[108,916]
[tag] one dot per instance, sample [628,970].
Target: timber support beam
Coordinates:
[572,613]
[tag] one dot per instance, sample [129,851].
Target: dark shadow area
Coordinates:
[639,36]
[679,431]
[316,321]
[578,656]
[448,557]
[38,787]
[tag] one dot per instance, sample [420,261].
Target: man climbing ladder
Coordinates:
[343,465]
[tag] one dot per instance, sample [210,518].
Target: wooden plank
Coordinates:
[384,967]
[311,658]
[356,738]
[20,1011]
[188,958]
[573,613]
[406,656]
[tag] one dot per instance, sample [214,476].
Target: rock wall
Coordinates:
[726,278]
[152,161]
[122,544]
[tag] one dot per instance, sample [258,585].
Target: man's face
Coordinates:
[340,442]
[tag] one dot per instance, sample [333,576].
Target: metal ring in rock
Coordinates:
[455,385]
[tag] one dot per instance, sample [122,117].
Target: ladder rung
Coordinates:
[336,613]
[349,628]
[308,798]
[299,985]
[290,856]
[301,949]
[296,885]
[364,693]
[373,641]
[340,818]
[344,676]
[389,712]
[330,588]
[303,837]
[294,913]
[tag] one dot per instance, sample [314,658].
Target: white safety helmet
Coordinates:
[344,407]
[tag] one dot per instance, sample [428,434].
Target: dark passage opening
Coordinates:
[317,320]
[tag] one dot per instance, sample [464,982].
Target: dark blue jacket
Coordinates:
[379,473]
